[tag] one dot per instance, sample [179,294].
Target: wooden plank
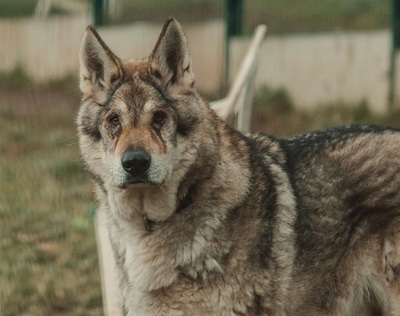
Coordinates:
[226,106]
[246,101]
[109,282]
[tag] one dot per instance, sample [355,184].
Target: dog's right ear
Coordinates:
[100,69]
[170,60]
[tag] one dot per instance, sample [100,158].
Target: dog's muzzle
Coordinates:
[136,162]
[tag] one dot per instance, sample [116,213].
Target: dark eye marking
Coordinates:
[113,124]
[158,120]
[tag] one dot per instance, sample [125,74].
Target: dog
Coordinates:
[205,220]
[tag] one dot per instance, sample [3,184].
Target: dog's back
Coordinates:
[333,239]
[346,183]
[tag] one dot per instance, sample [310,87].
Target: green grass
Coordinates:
[160,10]
[16,77]
[274,113]
[282,16]
[17,8]
[26,8]
[48,261]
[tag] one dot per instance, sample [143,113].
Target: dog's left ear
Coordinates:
[170,60]
[100,69]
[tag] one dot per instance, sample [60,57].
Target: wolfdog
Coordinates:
[204,220]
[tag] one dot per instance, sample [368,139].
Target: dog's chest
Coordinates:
[152,284]
[161,277]
[190,297]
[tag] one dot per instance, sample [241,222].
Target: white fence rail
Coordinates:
[313,68]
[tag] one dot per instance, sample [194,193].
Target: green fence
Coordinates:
[281,16]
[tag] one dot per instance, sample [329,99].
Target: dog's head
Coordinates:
[134,114]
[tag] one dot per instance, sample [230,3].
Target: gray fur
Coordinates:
[233,224]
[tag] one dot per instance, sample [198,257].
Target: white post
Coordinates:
[109,282]
[42,8]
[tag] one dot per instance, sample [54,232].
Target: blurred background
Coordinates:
[322,63]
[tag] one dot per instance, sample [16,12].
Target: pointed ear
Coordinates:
[170,60]
[100,69]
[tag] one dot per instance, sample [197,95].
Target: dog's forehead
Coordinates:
[133,66]
[136,92]
[135,96]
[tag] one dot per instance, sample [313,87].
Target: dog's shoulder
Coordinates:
[263,145]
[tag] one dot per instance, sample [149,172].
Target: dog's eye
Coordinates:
[113,120]
[113,125]
[159,118]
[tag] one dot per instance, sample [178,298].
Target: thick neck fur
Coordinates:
[175,246]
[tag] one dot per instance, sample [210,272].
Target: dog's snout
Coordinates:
[136,161]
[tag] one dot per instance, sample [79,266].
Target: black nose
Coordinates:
[136,161]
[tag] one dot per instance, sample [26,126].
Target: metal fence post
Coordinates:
[98,12]
[233,27]
[395,46]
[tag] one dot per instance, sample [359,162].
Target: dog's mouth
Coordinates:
[137,181]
